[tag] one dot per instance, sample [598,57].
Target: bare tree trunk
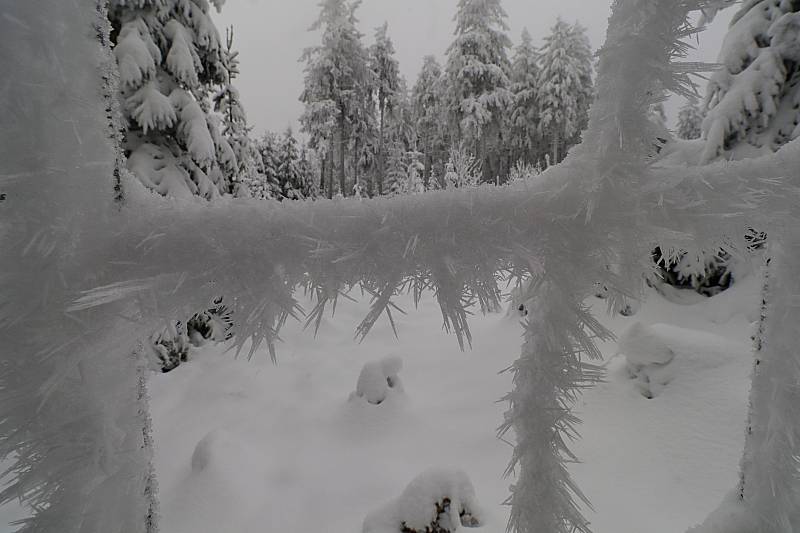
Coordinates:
[329,156]
[381,148]
[355,162]
[426,179]
[555,147]
[342,169]
[322,175]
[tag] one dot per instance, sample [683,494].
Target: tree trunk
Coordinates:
[381,147]
[342,169]
[426,179]
[355,163]
[330,173]
[322,175]
[555,147]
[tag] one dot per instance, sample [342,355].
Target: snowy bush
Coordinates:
[707,273]
[436,501]
[173,345]
[647,358]
[379,379]
[462,170]
[523,171]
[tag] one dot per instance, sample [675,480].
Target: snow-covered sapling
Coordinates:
[378,379]
[647,358]
[437,501]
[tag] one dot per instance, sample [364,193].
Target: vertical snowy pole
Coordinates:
[73,413]
[548,378]
[770,485]
[635,69]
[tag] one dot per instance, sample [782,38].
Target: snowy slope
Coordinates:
[252,447]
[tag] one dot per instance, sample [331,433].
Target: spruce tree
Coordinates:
[236,131]
[753,102]
[293,182]
[267,185]
[690,121]
[524,112]
[170,61]
[477,87]
[427,107]
[565,86]
[337,83]
[386,74]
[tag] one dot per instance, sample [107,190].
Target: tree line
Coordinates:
[367,132]
[372,133]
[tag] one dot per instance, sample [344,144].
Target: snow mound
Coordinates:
[732,516]
[648,358]
[642,346]
[214,450]
[438,500]
[379,379]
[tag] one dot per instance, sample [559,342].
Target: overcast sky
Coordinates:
[271,35]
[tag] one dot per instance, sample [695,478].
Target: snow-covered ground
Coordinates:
[285,448]
[246,446]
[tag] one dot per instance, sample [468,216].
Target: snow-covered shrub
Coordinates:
[708,274]
[690,121]
[406,172]
[212,325]
[523,171]
[647,358]
[437,501]
[379,379]
[173,346]
[462,170]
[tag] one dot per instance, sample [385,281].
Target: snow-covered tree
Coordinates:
[476,82]
[462,170]
[753,101]
[386,74]
[170,58]
[565,86]
[337,83]
[690,121]
[524,112]
[405,172]
[427,103]
[292,180]
[658,115]
[236,130]
[265,184]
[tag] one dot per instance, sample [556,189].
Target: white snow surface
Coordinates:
[252,447]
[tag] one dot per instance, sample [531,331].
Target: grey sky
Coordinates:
[271,35]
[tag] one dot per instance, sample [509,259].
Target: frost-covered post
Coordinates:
[635,68]
[73,415]
[770,484]
[548,378]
